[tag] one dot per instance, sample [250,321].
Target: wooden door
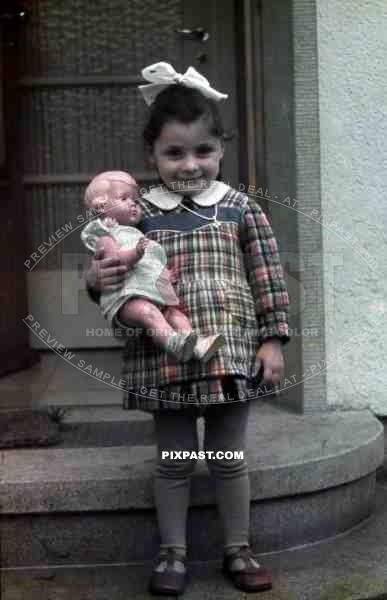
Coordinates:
[80,113]
[15,352]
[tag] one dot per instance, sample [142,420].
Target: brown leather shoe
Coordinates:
[246,574]
[171,578]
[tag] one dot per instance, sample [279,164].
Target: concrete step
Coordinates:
[312,476]
[352,566]
[78,413]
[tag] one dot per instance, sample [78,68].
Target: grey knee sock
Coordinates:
[233,499]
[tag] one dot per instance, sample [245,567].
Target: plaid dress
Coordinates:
[231,282]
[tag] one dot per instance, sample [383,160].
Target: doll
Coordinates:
[147,298]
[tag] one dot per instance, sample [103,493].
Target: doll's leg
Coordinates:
[149,316]
[206,346]
[178,320]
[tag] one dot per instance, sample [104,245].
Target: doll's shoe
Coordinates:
[181,345]
[169,576]
[245,572]
[207,346]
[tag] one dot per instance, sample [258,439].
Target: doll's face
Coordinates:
[119,201]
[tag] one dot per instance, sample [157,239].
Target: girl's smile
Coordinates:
[187,157]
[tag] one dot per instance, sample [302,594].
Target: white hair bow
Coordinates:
[162,74]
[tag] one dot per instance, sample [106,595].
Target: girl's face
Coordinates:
[187,156]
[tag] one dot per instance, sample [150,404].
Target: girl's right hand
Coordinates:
[105,273]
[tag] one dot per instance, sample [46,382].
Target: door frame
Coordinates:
[15,350]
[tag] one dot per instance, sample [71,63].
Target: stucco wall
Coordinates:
[352,47]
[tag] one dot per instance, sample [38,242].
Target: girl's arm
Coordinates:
[264,273]
[104,273]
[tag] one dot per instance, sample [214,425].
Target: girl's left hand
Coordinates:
[270,358]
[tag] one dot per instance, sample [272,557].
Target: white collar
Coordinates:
[167,200]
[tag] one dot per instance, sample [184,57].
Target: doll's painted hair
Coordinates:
[184,104]
[101,183]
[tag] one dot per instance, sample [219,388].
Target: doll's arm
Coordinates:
[127,257]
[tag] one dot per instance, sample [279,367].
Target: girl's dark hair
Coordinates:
[180,103]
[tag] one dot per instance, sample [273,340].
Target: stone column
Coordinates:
[293,179]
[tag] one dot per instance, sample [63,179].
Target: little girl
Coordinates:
[232,282]
[148,287]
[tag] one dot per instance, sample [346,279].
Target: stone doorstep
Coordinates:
[287,454]
[111,537]
[352,566]
[311,477]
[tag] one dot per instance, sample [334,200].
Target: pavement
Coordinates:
[352,566]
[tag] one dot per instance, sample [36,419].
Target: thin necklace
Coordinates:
[213,219]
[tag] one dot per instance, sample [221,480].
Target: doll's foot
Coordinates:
[181,345]
[207,346]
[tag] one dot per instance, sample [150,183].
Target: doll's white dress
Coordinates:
[143,279]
